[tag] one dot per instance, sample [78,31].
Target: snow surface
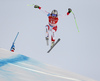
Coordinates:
[17,67]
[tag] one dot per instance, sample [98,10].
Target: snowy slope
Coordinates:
[17,67]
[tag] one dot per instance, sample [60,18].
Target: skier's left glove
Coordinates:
[36,6]
[69,11]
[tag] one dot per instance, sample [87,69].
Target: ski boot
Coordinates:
[52,43]
[47,40]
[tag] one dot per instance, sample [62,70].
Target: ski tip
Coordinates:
[58,38]
[48,51]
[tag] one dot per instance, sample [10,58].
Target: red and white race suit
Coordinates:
[51,27]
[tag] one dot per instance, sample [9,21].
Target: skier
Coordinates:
[52,26]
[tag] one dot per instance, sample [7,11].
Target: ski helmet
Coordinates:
[54,13]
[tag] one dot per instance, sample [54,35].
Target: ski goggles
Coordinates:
[54,15]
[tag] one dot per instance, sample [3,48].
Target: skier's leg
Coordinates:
[54,29]
[47,31]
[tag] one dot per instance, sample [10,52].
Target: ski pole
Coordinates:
[30,5]
[75,21]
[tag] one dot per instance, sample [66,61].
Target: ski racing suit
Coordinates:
[52,26]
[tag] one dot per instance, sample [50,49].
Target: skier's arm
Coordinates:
[69,11]
[36,6]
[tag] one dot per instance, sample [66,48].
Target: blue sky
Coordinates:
[78,52]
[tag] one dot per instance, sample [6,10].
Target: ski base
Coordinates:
[53,45]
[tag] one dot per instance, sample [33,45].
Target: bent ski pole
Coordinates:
[75,21]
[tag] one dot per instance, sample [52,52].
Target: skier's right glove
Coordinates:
[36,6]
[69,11]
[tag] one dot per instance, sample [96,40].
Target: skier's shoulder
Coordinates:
[48,14]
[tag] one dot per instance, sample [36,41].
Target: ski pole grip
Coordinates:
[69,11]
[36,6]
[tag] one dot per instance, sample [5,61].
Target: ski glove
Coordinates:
[69,11]
[36,6]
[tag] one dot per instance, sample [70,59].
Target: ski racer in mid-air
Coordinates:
[52,25]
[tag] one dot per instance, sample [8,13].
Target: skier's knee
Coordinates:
[52,38]
[47,27]
[53,31]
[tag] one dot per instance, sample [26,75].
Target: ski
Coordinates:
[13,46]
[53,45]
